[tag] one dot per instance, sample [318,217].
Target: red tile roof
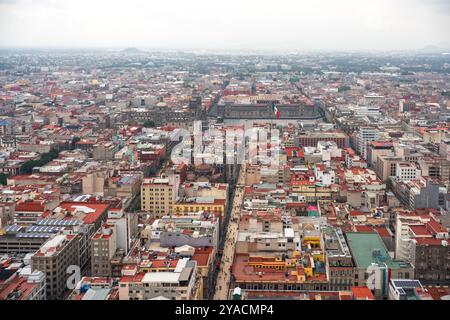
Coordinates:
[136,278]
[201,258]
[362,293]
[18,283]
[428,241]
[99,209]
[31,206]
[357,213]
[363,228]
[382,231]
[438,292]
[435,227]
[420,231]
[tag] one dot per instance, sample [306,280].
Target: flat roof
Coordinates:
[55,242]
[153,181]
[362,246]
[96,294]
[156,277]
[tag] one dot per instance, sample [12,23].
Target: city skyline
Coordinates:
[306,26]
[221,157]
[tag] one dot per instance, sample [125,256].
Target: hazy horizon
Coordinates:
[322,25]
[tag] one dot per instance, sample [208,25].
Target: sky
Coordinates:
[231,24]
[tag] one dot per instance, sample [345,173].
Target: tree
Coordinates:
[136,204]
[343,88]
[389,184]
[27,167]
[163,160]
[149,124]
[74,142]
[3,179]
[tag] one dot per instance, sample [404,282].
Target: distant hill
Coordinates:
[131,50]
[430,49]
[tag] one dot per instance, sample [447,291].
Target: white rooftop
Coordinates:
[159,277]
[289,233]
[181,265]
[53,243]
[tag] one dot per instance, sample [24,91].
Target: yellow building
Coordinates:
[200,204]
[313,241]
[158,266]
[312,191]
[433,135]
[157,197]
[267,262]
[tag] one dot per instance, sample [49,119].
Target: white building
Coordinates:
[326,177]
[329,149]
[406,171]
[407,289]
[363,137]
[181,284]
[364,111]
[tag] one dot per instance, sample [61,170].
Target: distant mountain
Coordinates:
[430,49]
[131,50]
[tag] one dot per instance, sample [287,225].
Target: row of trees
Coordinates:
[151,171]
[343,88]
[27,167]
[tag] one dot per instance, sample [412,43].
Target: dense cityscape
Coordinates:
[115,184]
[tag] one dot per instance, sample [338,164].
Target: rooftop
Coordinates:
[368,248]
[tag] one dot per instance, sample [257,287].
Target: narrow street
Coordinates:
[224,275]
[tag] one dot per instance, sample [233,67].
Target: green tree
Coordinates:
[27,167]
[74,142]
[150,171]
[149,124]
[3,178]
[163,160]
[343,88]
[389,184]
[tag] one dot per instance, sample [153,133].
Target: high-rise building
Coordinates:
[103,248]
[363,137]
[157,196]
[180,283]
[53,259]
[423,241]
[376,149]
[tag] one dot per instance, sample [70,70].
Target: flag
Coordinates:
[275,110]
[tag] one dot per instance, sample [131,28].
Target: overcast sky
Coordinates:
[230,24]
